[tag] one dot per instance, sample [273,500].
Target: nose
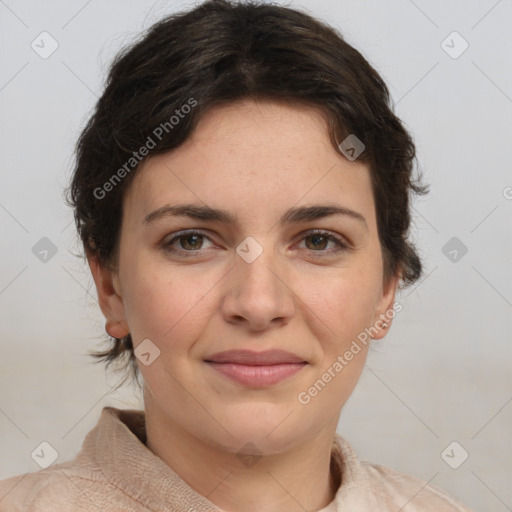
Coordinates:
[258,294]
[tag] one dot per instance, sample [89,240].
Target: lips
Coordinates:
[256,369]
[248,357]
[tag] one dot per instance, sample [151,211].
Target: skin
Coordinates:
[255,160]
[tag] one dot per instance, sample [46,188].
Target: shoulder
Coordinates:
[408,492]
[80,484]
[62,487]
[367,486]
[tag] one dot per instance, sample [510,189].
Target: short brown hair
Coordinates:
[222,51]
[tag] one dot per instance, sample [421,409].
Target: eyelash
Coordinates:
[342,245]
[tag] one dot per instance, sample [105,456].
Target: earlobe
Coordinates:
[385,311]
[115,329]
[109,299]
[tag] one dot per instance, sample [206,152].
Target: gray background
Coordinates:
[443,374]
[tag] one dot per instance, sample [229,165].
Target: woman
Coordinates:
[242,194]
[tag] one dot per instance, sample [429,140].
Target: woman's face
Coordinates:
[263,281]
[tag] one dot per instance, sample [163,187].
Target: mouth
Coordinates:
[256,369]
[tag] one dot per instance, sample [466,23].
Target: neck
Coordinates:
[296,480]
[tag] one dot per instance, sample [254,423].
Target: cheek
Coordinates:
[344,306]
[171,304]
[339,316]
[163,303]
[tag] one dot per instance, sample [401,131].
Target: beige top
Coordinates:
[115,471]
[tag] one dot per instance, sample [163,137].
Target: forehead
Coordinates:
[253,155]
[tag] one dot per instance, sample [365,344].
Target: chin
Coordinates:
[271,428]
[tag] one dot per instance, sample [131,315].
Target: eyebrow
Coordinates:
[291,216]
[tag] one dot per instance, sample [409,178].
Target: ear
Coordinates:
[385,310]
[109,298]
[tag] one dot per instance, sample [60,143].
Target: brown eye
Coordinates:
[189,243]
[318,241]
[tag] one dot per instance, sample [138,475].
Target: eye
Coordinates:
[189,242]
[319,240]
